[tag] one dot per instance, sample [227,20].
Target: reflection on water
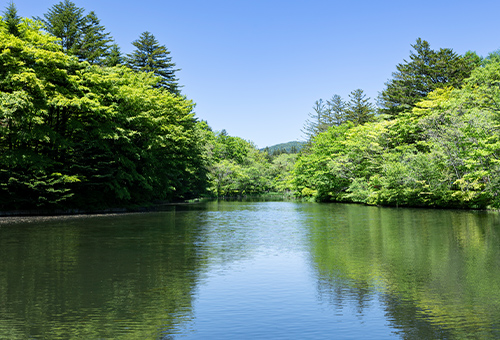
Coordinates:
[274,270]
[128,276]
[437,271]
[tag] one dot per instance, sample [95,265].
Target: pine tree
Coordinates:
[65,21]
[150,56]
[93,43]
[359,108]
[12,20]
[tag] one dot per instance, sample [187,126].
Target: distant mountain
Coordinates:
[285,147]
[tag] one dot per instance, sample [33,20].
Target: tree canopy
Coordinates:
[76,135]
[442,153]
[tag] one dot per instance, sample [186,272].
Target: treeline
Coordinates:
[82,126]
[74,134]
[236,167]
[434,141]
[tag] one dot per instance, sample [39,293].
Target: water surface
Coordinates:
[248,270]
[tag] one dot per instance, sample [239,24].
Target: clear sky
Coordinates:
[256,67]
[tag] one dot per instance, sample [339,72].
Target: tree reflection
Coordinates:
[436,272]
[130,276]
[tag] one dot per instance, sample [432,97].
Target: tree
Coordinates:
[316,123]
[65,20]
[114,56]
[336,111]
[426,71]
[69,131]
[93,43]
[150,56]
[80,35]
[359,109]
[12,20]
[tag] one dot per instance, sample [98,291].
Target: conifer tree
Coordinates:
[359,108]
[426,71]
[336,111]
[150,56]
[80,35]
[315,124]
[11,18]
[93,43]
[114,56]
[65,21]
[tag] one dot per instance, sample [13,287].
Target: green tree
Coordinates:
[336,111]
[11,18]
[93,43]
[69,130]
[65,21]
[280,172]
[426,71]
[315,124]
[114,57]
[313,176]
[150,56]
[359,109]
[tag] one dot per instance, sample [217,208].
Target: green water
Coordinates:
[253,270]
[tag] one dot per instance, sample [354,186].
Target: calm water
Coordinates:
[253,270]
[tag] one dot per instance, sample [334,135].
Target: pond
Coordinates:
[252,270]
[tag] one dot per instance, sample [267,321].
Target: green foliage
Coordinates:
[99,134]
[315,124]
[442,153]
[11,18]
[150,56]
[78,135]
[336,111]
[114,57]
[426,71]
[79,34]
[312,172]
[235,166]
[359,109]
[93,44]
[280,172]
[65,20]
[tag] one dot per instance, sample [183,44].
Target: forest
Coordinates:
[83,126]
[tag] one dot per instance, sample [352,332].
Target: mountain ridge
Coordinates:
[287,147]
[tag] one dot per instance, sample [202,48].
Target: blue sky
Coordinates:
[255,68]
